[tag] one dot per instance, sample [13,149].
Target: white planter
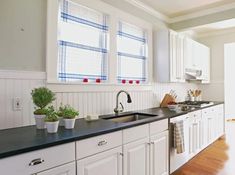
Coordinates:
[69,123]
[39,120]
[52,127]
[61,121]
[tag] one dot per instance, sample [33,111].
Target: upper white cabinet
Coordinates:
[197,57]
[169,56]
[175,53]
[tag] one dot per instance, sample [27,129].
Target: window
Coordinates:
[132,53]
[82,43]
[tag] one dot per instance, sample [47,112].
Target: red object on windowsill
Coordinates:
[137,81]
[85,80]
[123,81]
[130,81]
[98,80]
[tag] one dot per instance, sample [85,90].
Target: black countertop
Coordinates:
[24,139]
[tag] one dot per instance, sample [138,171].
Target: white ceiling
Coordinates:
[174,8]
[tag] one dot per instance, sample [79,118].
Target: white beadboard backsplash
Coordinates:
[19,84]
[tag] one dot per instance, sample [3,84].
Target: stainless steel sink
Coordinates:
[129,117]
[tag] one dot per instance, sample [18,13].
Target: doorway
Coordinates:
[229,80]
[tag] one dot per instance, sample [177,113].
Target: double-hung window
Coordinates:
[82,43]
[132,53]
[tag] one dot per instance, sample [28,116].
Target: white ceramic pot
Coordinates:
[52,127]
[61,121]
[69,123]
[39,120]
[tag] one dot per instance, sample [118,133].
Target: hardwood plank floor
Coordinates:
[217,159]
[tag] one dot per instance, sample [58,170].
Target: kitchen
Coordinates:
[139,69]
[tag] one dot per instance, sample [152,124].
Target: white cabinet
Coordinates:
[136,158]
[159,161]
[67,169]
[37,161]
[213,118]
[197,57]
[195,133]
[169,56]
[105,163]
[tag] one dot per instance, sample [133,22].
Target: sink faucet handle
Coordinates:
[122,107]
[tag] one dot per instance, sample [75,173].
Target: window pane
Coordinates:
[131,68]
[82,43]
[132,55]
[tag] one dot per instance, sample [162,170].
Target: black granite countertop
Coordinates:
[25,139]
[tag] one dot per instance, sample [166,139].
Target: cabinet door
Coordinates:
[205,64]
[194,137]
[188,53]
[67,169]
[180,59]
[159,154]
[220,113]
[136,158]
[105,163]
[173,56]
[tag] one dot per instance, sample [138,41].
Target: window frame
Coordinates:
[115,15]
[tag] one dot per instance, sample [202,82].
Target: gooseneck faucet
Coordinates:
[116,109]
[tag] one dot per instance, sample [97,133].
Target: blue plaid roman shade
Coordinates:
[82,43]
[132,53]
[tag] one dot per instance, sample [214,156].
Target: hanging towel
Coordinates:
[178,136]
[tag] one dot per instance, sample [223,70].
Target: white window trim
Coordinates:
[115,15]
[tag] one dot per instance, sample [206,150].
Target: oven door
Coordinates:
[177,160]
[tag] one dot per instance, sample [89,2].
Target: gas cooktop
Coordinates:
[196,104]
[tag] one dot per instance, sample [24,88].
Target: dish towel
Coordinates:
[178,136]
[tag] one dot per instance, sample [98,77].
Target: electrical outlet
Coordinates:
[17,104]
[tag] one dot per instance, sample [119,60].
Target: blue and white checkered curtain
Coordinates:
[132,52]
[82,43]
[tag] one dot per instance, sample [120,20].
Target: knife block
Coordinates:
[167,99]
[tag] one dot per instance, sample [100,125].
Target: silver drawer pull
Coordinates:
[102,143]
[36,162]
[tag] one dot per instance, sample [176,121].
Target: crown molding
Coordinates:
[203,13]
[149,10]
[215,33]
[192,15]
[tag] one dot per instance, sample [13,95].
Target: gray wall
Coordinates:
[22,34]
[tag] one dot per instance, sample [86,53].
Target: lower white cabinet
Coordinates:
[136,158]
[159,161]
[67,169]
[105,163]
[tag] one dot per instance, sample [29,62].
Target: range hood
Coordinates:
[193,74]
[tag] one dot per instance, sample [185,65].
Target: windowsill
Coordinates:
[95,87]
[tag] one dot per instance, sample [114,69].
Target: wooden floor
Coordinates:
[217,159]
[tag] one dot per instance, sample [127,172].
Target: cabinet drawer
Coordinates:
[36,161]
[158,126]
[98,144]
[135,133]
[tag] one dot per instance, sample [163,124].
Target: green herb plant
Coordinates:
[67,112]
[51,115]
[41,98]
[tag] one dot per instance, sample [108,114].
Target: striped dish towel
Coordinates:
[178,136]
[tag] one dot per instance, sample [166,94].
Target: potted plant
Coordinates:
[41,98]
[69,114]
[60,115]
[51,120]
